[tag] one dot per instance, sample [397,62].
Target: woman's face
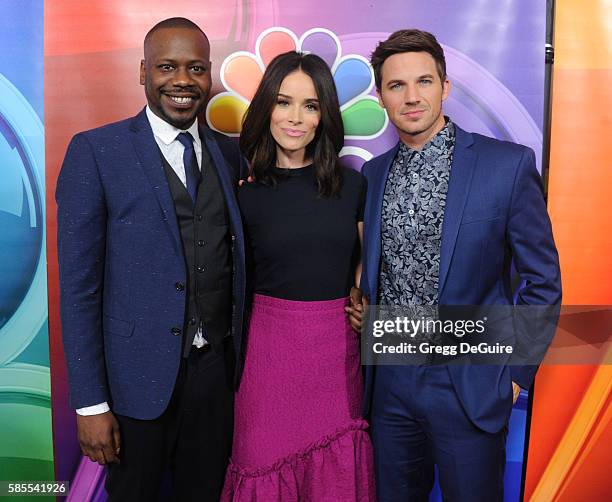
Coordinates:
[296,115]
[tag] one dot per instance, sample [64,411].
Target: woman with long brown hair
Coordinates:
[298,432]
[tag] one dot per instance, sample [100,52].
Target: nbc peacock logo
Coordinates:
[242,71]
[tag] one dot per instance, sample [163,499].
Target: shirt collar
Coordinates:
[445,137]
[166,132]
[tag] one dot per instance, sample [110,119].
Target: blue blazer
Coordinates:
[495,215]
[120,258]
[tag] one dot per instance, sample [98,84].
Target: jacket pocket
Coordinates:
[484,214]
[118,327]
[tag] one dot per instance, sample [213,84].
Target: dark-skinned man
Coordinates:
[152,280]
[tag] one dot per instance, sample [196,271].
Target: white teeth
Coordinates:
[180,100]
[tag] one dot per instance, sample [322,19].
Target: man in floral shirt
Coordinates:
[447,214]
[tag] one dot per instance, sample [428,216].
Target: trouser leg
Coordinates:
[404,471]
[204,439]
[470,461]
[145,451]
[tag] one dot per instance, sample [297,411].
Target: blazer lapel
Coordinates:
[227,183]
[462,170]
[151,164]
[380,172]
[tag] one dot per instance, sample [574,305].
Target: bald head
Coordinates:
[180,23]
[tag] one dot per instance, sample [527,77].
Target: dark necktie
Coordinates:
[192,171]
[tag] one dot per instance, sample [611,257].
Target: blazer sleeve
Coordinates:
[363,282]
[529,234]
[244,167]
[81,220]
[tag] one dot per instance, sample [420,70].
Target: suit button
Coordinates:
[200,268]
[200,243]
[199,217]
[175,331]
[192,321]
[179,286]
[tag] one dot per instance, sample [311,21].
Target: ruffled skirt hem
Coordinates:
[336,468]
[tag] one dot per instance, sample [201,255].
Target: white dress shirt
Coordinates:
[165,136]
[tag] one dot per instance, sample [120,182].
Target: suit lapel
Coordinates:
[380,172]
[227,183]
[462,170]
[151,164]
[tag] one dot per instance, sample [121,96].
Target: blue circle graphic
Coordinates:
[23,298]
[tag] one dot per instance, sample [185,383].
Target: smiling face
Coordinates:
[176,74]
[412,93]
[295,118]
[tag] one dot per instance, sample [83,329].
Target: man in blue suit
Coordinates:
[151,256]
[447,214]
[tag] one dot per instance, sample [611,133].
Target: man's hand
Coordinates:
[248,180]
[516,390]
[355,309]
[99,437]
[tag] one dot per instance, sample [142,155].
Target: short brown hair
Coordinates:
[407,41]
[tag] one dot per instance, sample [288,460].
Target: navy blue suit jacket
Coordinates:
[495,215]
[121,257]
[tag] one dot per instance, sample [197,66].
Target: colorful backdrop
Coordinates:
[494,56]
[571,433]
[26,448]
[26,451]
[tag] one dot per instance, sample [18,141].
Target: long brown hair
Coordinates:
[256,140]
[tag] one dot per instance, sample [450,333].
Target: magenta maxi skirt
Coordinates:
[298,432]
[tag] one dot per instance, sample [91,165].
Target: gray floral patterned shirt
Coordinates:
[412,216]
